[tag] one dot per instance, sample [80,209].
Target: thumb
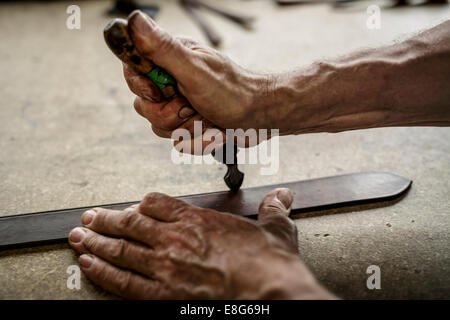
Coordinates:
[276,202]
[274,216]
[155,44]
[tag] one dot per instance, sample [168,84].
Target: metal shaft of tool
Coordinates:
[227,155]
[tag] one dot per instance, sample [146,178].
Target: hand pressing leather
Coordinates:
[164,248]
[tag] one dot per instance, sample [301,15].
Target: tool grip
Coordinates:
[164,81]
[119,41]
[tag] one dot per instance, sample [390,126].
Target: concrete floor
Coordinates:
[70,137]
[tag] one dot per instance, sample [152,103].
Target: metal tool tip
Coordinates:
[233,178]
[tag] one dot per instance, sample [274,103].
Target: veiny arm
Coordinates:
[405,84]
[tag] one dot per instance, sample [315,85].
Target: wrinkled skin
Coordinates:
[164,248]
[215,90]
[365,89]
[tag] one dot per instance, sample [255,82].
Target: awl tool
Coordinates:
[119,41]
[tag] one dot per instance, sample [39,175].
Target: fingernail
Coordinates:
[76,235]
[87,217]
[185,112]
[285,196]
[141,22]
[85,260]
[154,99]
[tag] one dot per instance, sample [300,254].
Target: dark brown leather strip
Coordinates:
[309,195]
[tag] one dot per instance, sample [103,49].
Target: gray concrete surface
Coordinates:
[69,137]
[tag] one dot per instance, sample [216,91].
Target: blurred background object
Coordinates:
[193,6]
[125,7]
[393,3]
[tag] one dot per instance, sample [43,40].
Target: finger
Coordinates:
[273,216]
[167,134]
[197,125]
[120,252]
[277,202]
[162,207]
[123,283]
[150,108]
[212,139]
[188,41]
[186,131]
[128,224]
[167,116]
[140,85]
[157,45]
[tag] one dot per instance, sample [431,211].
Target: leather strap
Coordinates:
[309,195]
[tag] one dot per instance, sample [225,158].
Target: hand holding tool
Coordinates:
[119,41]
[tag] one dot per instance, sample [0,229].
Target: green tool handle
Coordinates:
[161,77]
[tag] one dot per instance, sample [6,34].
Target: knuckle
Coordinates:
[165,42]
[144,107]
[160,201]
[129,78]
[119,250]
[160,42]
[135,84]
[91,242]
[187,41]
[140,255]
[165,123]
[272,208]
[138,85]
[137,104]
[178,206]
[141,87]
[191,215]
[127,219]
[147,258]
[124,283]
[160,133]
[152,198]
[99,271]
[99,217]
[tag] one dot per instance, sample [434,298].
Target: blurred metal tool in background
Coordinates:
[341,3]
[125,7]
[192,7]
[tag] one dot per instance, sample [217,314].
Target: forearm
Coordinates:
[405,84]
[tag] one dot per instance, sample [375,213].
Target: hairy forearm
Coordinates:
[405,84]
